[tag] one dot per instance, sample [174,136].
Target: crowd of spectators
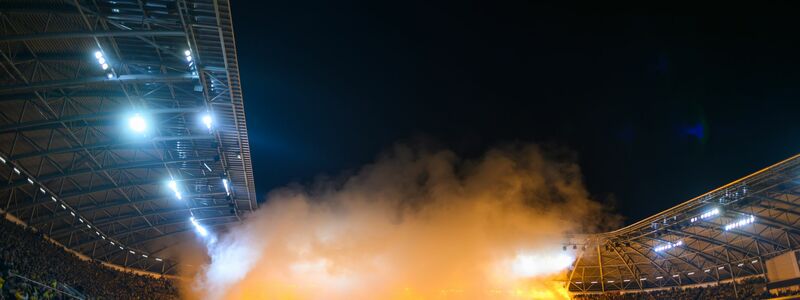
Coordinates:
[31,267]
[752,288]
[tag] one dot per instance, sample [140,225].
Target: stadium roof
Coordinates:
[723,234]
[102,103]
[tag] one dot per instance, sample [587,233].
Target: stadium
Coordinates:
[124,135]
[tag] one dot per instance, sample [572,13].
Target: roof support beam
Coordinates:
[112,145]
[87,34]
[94,116]
[82,82]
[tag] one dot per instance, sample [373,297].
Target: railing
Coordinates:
[71,293]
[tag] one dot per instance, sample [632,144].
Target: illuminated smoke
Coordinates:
[414,225]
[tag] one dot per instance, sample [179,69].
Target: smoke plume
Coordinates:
[416,224]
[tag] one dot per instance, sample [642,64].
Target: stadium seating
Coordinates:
[746,289]
[31,265]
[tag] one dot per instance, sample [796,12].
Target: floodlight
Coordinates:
[104,66]
[207,120]
[227,188]
[98,54]
[109,75]
[137,123]
[158,259]
[200,229]
[187,53]
[174,187]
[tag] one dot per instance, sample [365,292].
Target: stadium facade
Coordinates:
[723,235]
[122,125]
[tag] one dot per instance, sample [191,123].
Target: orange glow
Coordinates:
[414,225]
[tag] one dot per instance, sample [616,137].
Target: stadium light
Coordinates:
[706,215]
[174,187]
[668,246]
[2,159]
[54,199]
[643,279]
[158,259]
[741,222]
[98,54]
[207,120]
[225,184]
[188,55]
[16,171]
[660,277]
[29,180]
[200,229]
[137,123]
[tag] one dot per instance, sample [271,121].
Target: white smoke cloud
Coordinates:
[416,224]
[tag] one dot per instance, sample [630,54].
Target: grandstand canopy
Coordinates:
[726,233]
[102,105]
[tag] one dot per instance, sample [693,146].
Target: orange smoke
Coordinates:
[414,225]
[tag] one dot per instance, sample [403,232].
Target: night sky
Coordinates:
[659,106]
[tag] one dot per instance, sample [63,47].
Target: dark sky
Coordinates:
[660,107]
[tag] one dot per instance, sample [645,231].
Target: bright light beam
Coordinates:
[200,229]
[207,120]
[137,123]
[225,183]
[174,187]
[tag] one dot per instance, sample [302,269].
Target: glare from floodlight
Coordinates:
[227,188]
[207,120]
[187,53]
[104,66]
[98,54]
[741,222]
[706,215]
[189,58]
[101,60]
[668,246]
[173,185]
[137,123]
[109,75]
[200,229]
